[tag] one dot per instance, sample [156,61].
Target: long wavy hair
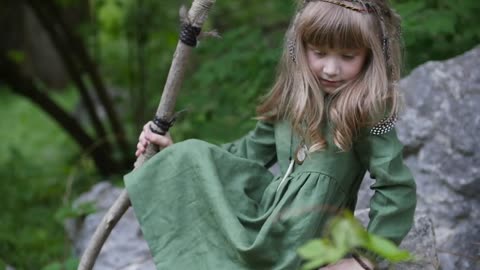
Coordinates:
[297,96]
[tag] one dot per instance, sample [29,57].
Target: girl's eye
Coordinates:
[348,56]
[319,53]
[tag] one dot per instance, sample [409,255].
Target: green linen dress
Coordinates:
[201,206]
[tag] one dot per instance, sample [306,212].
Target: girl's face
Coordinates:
[334,67]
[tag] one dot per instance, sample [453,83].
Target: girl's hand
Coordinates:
[348,264]
[147,136]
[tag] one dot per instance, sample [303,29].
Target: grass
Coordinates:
[36,159]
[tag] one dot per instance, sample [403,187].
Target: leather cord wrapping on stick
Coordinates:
[189,34]
[162,125]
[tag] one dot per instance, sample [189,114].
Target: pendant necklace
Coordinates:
[300,156]
[301,153]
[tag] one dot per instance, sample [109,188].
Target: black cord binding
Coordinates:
[189,34]
[163,125]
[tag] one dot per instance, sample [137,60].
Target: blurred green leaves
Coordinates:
[235,70]
[110,16]
[345,234]
[36,160]
[16,56]
[70,211]
[438,29]
[69,264]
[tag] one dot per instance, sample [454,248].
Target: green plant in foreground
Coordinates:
[345,234]
[69,264]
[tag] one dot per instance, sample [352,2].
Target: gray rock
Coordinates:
[440,127]
[442,98]
[420,241]
[125,248]
[461,249]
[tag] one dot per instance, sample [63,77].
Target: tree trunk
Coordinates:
[78,47]
[20,84]
[75,74]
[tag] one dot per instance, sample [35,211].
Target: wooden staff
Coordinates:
[164,118]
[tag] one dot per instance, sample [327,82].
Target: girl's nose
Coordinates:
[331,68]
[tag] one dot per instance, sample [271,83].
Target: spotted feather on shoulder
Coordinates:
[384,126]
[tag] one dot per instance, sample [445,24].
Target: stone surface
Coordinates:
[420,241]
[440,127]
[125,248]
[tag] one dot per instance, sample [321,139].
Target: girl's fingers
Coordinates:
[147,136]
[143,140]
[162,141]
[141,148]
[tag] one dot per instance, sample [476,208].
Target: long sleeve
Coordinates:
[393,204]
[258,145]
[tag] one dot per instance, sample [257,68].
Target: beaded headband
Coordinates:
[367,7]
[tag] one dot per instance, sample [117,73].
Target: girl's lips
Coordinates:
[330,83]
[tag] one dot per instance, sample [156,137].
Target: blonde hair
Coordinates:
[296,95]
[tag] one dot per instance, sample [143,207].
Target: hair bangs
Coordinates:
[331,26]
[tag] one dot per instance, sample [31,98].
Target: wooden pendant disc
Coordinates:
[300,154]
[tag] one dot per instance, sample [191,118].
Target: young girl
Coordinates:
[327,120]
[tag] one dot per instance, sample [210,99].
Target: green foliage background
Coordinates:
[39,164]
